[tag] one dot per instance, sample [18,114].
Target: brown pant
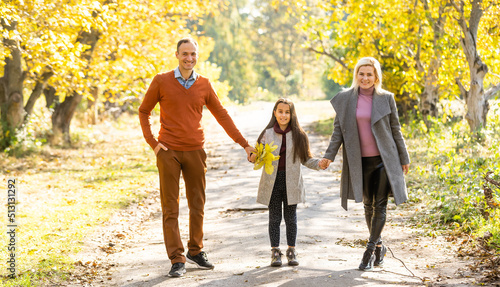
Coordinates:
[193,166]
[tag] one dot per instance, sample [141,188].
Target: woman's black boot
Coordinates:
[367,261]
[380,252]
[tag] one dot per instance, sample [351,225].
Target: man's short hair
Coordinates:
[186,40]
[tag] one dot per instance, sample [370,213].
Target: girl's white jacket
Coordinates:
[294,183]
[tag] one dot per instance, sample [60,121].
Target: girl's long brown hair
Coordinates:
[299,136]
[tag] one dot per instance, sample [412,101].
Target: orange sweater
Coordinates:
[181,112]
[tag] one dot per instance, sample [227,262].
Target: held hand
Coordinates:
[321,164]
[406,168]
[158,147]
[252,157]
[249,150]
[324,163]
[327,163]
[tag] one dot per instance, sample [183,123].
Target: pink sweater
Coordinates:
[363,119]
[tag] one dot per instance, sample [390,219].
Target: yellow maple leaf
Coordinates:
[265,156]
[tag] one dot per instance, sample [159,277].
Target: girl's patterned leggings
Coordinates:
[278,201]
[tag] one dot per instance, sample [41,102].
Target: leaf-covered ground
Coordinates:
[64,194]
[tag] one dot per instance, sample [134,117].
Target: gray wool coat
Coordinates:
[295,190]
[387,132]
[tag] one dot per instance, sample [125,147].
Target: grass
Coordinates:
[64,193]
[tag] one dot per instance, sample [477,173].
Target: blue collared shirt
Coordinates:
[185,83]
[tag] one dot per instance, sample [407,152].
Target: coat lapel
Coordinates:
[345,108]
[352,150]
[350,126]
[350,118]
[380,108]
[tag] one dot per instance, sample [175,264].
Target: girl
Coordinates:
[284,188]
[375,158]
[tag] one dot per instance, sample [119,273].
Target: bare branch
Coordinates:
[491,91]
[461,20]
[419,49]
[336,59]
[490,180]
[37,91]
[496,75]
[428,13]
[458,9]
[475,16]
[330,55]
[463,91]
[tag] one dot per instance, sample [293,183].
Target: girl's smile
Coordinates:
[282,114]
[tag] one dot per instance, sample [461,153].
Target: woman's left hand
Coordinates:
[406,168]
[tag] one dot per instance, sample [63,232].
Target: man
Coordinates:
[182,93]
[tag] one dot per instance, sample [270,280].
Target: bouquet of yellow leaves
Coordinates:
[265,157]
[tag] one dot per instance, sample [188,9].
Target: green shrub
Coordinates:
[447,173]
[30,136]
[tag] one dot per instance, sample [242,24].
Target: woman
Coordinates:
[375,158]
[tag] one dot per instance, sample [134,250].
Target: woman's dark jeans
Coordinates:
[376,190]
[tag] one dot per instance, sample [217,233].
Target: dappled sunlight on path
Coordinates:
[329,243]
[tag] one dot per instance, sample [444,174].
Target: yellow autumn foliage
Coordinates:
[265,156]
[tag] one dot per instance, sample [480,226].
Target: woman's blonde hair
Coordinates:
[368,61]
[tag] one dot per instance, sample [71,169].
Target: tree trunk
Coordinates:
[11,94]
[429,97]
[37,92]
[92,108]
[61,119]
[475,99]
[64,112]
[406,106]
[50,96]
